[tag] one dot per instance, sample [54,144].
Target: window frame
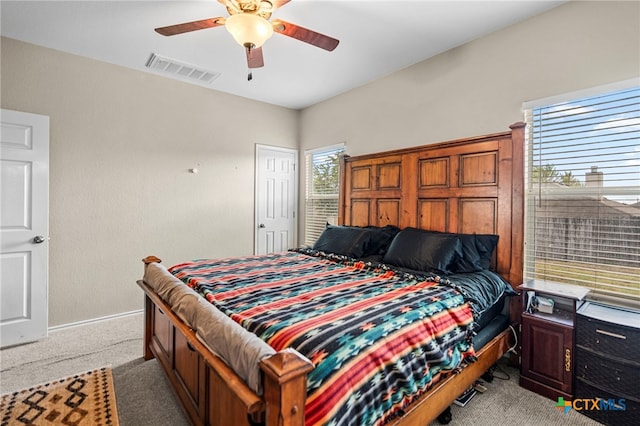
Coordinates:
[530,268]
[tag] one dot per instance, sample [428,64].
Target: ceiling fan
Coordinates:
[249,24]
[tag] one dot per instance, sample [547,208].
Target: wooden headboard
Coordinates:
[472,185]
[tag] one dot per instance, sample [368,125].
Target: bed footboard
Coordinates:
[209,391]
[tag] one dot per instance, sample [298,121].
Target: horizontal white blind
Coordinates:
[583,192]
[322,190]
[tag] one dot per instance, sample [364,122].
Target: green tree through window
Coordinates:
[326,175]
[549,174]
[322,190]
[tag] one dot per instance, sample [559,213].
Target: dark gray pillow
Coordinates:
[354,241]
[485,245]
[477,251]
[380,239]
[424,251]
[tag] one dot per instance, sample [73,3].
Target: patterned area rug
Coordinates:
[83,399]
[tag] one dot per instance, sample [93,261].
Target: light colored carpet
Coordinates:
[144,397]
[70,350]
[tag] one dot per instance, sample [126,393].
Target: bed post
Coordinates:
[517,224]
[148,325]
[285,388]
[148,312]
[517,204]
[342,208]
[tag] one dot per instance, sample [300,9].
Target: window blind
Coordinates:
[322,190]
[583,192]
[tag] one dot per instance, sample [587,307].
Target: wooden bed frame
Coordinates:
[472,185]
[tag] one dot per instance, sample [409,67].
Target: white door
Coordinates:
[24,221]
[276,199]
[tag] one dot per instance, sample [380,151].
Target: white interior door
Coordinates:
[276,199]
[24,220]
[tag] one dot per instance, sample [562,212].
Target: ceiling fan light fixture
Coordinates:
[249,30]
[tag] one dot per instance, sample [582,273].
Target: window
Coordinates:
[583,192]
[322,188]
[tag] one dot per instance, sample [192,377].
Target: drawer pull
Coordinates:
[608,333]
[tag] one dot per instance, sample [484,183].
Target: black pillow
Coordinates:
[486,244]
[354,241]
[380,238]
[477,251]
[424,251]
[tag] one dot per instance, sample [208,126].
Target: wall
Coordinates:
[121,144]
[479,87]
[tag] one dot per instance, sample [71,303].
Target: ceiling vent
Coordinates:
[181,70]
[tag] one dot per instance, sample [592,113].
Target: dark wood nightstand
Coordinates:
[548,335]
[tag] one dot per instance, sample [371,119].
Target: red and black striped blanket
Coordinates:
[378,339]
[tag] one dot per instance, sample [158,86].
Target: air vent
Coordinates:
[181,70]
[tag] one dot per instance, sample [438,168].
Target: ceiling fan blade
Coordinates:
[190,26]
[304,34]
[255,58]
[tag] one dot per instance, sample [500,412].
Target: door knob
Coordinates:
[261,225]
[38,239]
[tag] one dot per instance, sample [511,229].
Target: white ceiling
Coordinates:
[377,38]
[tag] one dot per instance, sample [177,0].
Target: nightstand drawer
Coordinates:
[615,375]
[618,335]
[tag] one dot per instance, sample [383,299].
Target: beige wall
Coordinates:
[121,144]
[479,88]
[122,141]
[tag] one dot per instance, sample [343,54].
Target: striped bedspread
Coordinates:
[378,339]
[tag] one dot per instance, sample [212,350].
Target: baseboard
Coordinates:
[94,320]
